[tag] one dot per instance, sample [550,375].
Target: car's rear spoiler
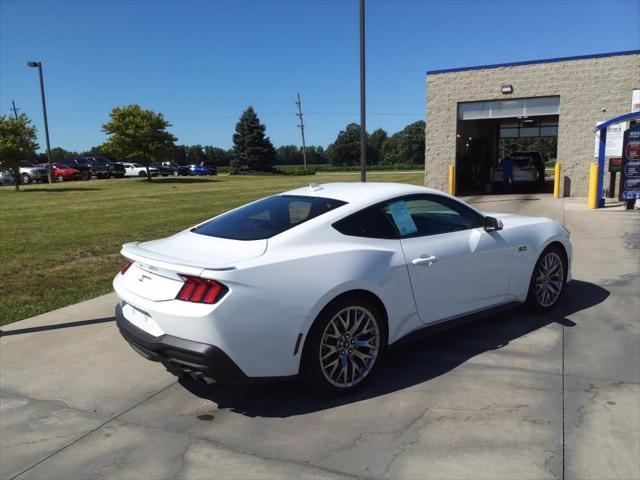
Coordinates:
[133,251]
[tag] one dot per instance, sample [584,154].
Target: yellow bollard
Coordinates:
[593,186]
[556,181]
[452,180]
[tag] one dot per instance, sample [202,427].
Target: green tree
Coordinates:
[179,154]
[252,150]
[195,154]
[376,142]
[405,146]
[412,143]
[99,151]
[290,155]
[346,148]
[58,153]
[17,143]
[219,156]
[138,134]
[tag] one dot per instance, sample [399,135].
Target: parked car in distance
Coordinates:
[32,173]
[84,167]
[197,170]
[166,169]
[62,172]
[101,166]
[210,165]
[138,170]
[7,178]
[316,282]
[524,172]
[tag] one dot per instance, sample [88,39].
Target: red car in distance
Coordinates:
[62,172]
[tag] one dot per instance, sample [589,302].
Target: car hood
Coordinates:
[195,250]
[512,219]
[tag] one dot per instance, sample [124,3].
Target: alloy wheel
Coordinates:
[549,278]
[349,347]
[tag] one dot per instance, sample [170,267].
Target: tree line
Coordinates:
[143,136]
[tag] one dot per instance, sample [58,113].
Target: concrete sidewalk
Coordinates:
[515,395]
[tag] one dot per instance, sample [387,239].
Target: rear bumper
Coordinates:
[181,357]
[185,358]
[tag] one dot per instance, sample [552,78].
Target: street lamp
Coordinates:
[38,65]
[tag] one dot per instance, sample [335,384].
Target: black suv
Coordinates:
[105,168]
[84,167]
[166,168]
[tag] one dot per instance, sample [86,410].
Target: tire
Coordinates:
[175,173]
[548,279]
[26,178]
[327,374]
[60,178]
[85,176]
[142,174]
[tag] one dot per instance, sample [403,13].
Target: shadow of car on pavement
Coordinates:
[435,354]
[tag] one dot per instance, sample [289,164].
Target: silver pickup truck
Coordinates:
[31,173]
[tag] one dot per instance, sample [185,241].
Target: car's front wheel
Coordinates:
[548,279]
[344,346]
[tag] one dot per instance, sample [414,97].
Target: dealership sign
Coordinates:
[630,181]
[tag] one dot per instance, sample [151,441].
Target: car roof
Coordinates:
[361,193]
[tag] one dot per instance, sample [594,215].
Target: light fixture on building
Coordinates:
[506,89]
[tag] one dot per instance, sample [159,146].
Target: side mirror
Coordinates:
[492,224]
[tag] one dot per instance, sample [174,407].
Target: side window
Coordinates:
[423,215]
[371,223]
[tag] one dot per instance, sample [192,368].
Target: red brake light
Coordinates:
[201,290]
[125,267]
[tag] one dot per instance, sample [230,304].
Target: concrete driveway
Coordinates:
[515,395]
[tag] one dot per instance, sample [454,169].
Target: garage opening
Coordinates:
[524,130]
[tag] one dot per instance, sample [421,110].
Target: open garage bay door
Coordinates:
[488,131]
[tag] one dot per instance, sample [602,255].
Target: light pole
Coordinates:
[363,128]
[38,65]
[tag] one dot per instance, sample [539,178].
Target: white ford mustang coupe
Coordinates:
[317,282]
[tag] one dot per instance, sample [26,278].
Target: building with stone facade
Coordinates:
[473,113]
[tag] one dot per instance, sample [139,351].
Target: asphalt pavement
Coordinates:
[513,396]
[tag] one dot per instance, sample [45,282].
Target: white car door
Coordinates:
[455,266]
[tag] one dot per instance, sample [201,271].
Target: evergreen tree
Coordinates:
[252,150]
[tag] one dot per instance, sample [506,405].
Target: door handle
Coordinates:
[425,260]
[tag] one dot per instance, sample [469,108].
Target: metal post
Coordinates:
[363,128]
[46,123]
[601,155]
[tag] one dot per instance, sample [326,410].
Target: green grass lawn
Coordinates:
[59,243]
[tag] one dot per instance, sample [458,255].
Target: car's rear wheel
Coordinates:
[60,178]
[84,175]
[175,173]
[344,346]
[548,279]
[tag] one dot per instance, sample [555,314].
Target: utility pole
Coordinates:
[15,110]
[38,65]
[363,128]
[304,146]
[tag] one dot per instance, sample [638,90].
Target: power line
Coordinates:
[301,125]
[15,110]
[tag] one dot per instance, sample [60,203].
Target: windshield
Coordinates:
[267,217]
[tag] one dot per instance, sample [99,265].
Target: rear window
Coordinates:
[267,217]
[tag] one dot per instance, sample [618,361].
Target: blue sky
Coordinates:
[202,63]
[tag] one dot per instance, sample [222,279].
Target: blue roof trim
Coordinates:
[622,118]
[534,62]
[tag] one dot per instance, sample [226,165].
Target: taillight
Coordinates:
[125,267]
[201,290]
